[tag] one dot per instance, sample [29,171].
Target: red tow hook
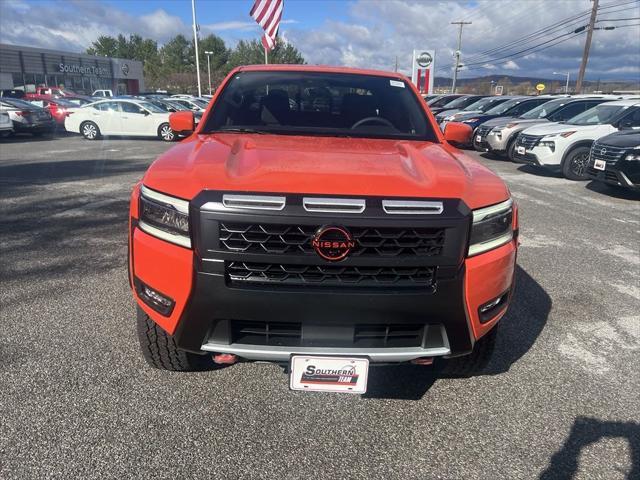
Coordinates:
[225,358]
[422,361]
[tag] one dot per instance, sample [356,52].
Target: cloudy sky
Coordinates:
[363,33]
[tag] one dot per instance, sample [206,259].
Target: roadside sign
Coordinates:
[422,70]
[540,87]
[499,89]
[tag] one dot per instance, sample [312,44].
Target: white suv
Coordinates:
[564,146]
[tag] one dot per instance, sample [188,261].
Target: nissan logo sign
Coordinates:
[424,59]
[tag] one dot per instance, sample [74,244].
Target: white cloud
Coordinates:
[373,33]
[511,65]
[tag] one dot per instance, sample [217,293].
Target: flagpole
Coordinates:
[266,58]
[195,43]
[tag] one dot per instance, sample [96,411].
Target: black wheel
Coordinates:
[165,133]
[476,361]
[511,150]
[160,350]
[90,131]
[574,165]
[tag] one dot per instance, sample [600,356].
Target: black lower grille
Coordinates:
[291,334]
[245,273]
[388,335]
[296,240]
[606,175]
[266,333]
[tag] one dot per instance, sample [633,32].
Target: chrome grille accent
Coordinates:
[252,202]
[402,207]
[609,154]
[333,205]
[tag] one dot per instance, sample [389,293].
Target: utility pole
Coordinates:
[195,42]
[396,69]
[455,70]
[587,46]
[208,54]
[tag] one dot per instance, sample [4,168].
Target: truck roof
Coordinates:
[318,68]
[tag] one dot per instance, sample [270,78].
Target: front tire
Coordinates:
[476,361]
[165,133]
[574,165]
[90,131]
[160,351]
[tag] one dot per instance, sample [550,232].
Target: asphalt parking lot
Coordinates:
[78,401]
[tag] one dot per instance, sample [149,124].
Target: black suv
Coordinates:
[615,159]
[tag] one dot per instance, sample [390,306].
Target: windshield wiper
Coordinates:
[239,130]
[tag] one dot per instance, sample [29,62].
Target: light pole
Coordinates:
[195,43]
[208,54]
[566,85]
[457,54]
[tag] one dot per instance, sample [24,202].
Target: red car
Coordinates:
[318,218]
[58,107]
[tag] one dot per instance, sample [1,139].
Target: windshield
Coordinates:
[597,115]
[201,103]
[151,107]
[462,102]
[317,103]
[175,105]
[443,101]
[544,110]
[503,107]
[483,104]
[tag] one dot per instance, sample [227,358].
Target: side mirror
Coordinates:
[458,133]
[145,113]
[182,122]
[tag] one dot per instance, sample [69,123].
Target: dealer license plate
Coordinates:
[329,374]
[600,165]
[520,150]
[478,138]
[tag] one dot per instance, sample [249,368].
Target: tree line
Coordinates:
[172,66]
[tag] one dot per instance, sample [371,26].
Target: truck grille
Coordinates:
[296,240]
[245,273]
[291,334]
[609,154]
[483,131]
[528,141]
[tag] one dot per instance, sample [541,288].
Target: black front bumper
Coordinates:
[627,178]
[221,310]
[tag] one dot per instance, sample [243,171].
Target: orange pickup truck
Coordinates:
[318,218]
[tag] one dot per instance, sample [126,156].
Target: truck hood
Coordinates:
[556,128]
[324,166]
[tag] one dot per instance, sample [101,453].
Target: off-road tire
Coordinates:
[90,130]
[474,363]
[160,350]
[574,165]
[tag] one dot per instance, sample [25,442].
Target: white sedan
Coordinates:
[130,117]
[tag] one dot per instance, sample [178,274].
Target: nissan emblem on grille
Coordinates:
[333,243]
[603,151]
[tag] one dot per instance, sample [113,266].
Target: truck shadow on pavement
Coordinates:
[587,431]
[519,329]
[613,191]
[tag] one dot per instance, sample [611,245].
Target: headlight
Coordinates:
[549,144]
[492,227]
[563,134]
[470,120]
[510,125]
[632,157]
[164,217]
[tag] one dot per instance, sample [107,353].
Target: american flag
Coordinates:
[268,14]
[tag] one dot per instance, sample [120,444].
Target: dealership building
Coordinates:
[26,68]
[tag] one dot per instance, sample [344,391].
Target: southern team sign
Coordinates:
[422,70]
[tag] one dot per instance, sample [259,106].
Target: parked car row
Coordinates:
[52,109]
[567,134]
